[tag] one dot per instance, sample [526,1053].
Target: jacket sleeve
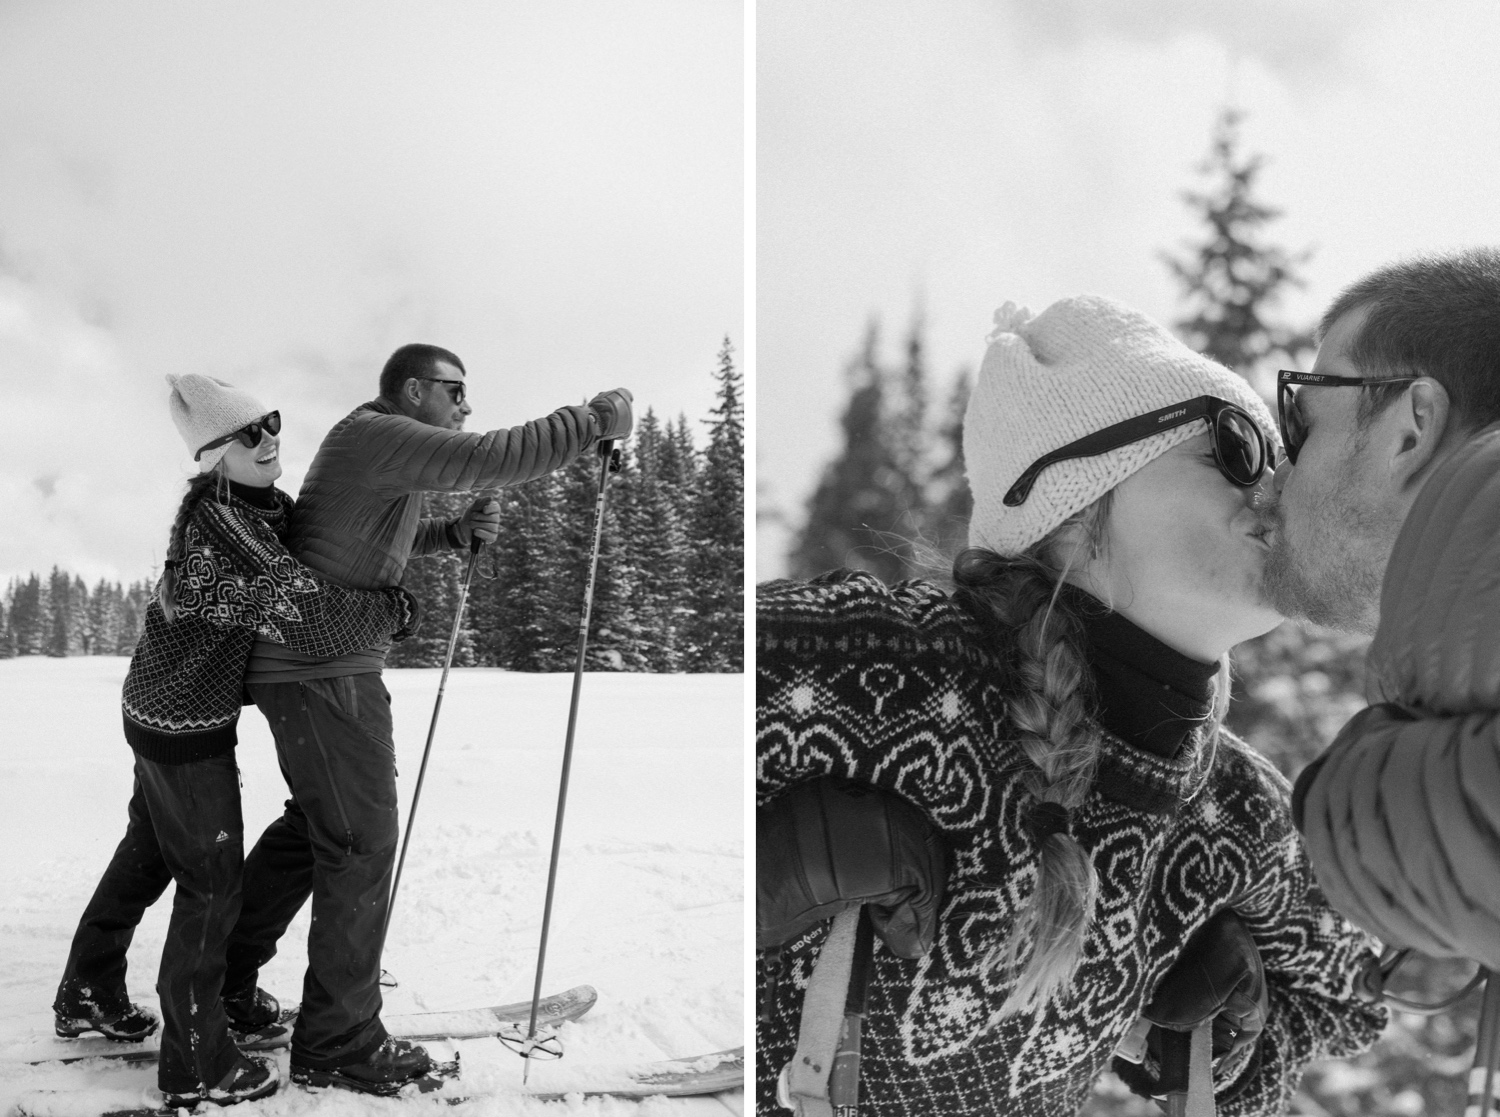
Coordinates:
[1402,813]
[1402,820]
[406,456]
[434,536]
[866,681]
[236,575]
[1313,959]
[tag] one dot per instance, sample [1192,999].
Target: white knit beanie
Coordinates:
[1081,365]
[205,409]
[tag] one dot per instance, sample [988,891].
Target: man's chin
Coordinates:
[1298,594]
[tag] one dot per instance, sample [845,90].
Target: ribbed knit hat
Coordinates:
[1081,365]
[205,409]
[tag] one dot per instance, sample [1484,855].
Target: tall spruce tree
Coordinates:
[716,565]
[1232,277]
[27,623]
[869,506]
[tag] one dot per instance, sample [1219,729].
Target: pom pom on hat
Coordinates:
[1079,366]
[204,409]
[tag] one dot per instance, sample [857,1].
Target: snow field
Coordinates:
[650,894]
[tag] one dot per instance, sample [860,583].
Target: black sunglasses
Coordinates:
[1240,449]
[455,388]
[248,435]
[1293,429]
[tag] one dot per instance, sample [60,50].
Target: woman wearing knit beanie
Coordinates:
[228,578]
[1025,783]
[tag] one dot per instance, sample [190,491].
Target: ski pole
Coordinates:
[458,615]
[1482,1083]
[606,461]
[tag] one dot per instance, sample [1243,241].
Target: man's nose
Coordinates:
[464,408]
[1278,479]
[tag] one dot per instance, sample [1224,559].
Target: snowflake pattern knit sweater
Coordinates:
[183,691]
[896,686]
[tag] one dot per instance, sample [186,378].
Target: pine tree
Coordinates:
[105,617]
[516,628]
[869,505]
[946,498]
[655,524]
[1232,278]
[27,619]
[133,614]
[716,563]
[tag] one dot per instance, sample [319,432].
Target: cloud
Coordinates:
[1300,40]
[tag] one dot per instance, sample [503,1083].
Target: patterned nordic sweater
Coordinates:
[897,686]
[182,693]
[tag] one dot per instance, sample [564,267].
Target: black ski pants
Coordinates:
[184,825]
[337,837]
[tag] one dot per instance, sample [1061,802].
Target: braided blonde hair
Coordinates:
[1052,705]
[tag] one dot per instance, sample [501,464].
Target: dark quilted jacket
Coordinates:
[1402,814]
[358,517]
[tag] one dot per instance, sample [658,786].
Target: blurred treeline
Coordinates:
[895,502]
[669,593]
[58,615]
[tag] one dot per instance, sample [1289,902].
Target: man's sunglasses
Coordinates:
[1240,449]
[248,435]
[455,388]
[1293,429]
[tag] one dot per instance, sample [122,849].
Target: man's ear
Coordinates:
[1422,421]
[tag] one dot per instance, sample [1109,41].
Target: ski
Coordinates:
[474,1023]
[706,1074]
[71,1103]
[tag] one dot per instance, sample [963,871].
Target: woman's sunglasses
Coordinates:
[248,435]
[1240,449]
[1293,427]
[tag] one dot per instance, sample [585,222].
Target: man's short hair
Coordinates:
[411,360]
[1432,315]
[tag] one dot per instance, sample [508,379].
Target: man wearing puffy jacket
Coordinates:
[1387,521]
[358,520]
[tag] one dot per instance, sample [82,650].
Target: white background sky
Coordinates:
[962,153]
[280,193]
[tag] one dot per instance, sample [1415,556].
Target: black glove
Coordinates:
[1218,975]
[831,844]
[412,612]
[612,413]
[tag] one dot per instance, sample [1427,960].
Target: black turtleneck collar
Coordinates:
[1149,695]
[261,496]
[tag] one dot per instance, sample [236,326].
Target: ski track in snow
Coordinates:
[650,892]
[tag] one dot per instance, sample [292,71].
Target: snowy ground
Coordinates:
[650,904]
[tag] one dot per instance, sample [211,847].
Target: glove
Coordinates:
[1218,975]
[612,413]
[482,519]
[831,844]
[412,611]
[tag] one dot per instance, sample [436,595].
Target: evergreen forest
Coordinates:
[668,596]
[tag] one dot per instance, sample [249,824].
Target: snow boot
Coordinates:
[388,1068]
[126,1025]
[252,1077]
[252,1011]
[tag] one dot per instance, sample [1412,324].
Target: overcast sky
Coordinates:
[955,155]
[279,194]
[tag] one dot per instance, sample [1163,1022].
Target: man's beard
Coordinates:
[1328,577]
[1340,595]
